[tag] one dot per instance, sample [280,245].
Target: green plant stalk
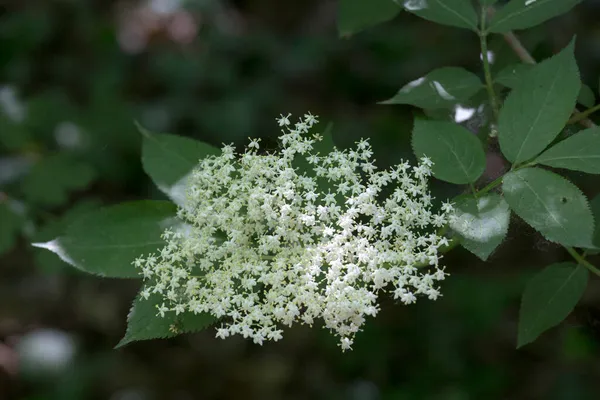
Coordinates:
[489,83]
[583,115]
[581,260]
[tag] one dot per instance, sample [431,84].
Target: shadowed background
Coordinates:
[75,75]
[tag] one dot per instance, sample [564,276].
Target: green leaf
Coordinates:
[459,13]
[586,96]
[457,154]
[106,241]
[169,159]
[549,298]
[440,88]
[10,224]
[481,223]
[356,15]
[536,111]
[580,152]
[550,204]
[512,75]
[143,323]
[49,262]
[52,179]
[595,206]
[487,2]
[522,14]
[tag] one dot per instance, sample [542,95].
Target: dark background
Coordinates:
[74,75]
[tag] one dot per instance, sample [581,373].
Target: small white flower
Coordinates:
[266,247]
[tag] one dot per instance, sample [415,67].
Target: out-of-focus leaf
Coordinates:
[10,223]
[443,87]
[549,298]
[481,223]
[580,152]
[356,15]
[52,179]
[459,13]
[105,242]
[550,204]
[143,323]
[456,153]
[169,159]
[522,14]
[537,110]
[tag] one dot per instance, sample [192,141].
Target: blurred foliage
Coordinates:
[75,75]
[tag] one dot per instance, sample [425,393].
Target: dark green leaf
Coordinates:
[481,223]
[52,179]
[10,223]
[550,204]
[580,152]
[536,111]
[459,13]
[586,96]
[356,15]
[106,241]
[595,206]
[549,298]
[457,154]
[440,88]
[143,323]
[512,75]
[169,159]
[522,14]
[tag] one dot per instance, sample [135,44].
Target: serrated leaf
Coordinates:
[549,298]
[106,241]
[457,154]
[550,204]
[481,223]
[512,75]
[51,180]
[595,206]
[169,159]
[10,223]
[143,323]
[580,152]
[356,15]
[458,13]
[586,96]
[443,87]
[537,110]
[522,14]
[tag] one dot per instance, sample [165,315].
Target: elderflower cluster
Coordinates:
[298,236]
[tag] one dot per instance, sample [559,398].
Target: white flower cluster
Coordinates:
[267,246]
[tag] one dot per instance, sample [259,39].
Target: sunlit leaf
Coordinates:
[550,204]
[459,13]
[481,223]
[549,298]
[522,14]
[106,241]
[536,111]
[580,152]
[457,154]
[440,88]
[356,15]
[143,323]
